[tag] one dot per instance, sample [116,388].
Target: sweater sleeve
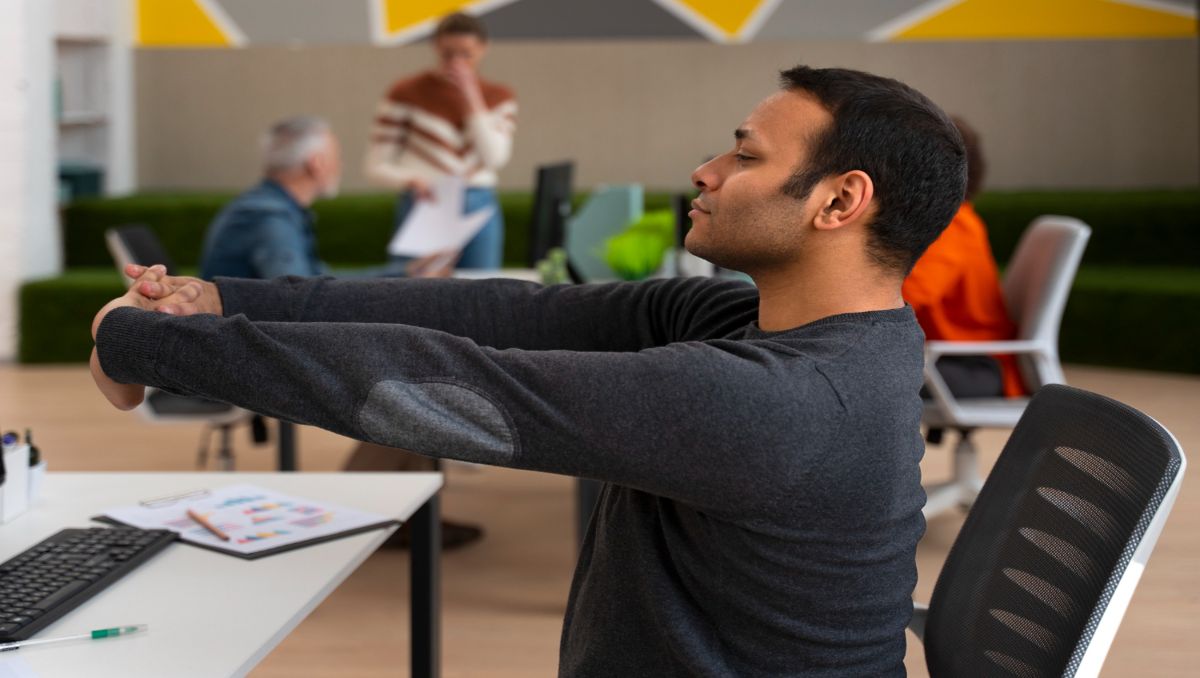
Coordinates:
[508,313]
[492,133]
[658,420]
[389,139]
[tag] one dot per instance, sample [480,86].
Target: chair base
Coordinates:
[962,489]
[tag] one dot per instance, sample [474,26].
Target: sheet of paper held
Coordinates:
[438,224]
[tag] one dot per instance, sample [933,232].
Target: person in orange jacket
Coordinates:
[954,289]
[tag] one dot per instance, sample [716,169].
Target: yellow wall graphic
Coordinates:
[233,23]
[1017,19]
[722,20]
[730,16]
[179,23]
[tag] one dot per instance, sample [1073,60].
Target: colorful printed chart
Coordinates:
[256,519]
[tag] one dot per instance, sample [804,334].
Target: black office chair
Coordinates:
[1043,570]
[137,244]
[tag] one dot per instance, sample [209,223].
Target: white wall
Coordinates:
[101,30]
[29,233]
[30,237]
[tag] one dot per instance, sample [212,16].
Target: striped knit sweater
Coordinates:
[422,130]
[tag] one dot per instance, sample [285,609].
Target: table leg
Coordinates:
[287,446]
[426,612]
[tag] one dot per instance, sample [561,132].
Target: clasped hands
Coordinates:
[152,290]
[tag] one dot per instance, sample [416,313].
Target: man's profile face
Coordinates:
[455,50]
[328,167]
[742,219]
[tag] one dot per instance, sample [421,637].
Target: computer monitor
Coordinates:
[681,204]
[551,207]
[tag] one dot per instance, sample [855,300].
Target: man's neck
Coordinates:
[301,190]
[798,295]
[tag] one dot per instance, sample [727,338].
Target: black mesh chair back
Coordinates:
[137,244]
[1046,560]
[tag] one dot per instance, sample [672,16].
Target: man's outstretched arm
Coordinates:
[496,313]
[661,419]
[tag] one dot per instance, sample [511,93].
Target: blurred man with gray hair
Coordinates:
[267,231]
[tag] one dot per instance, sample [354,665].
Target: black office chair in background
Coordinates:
[1043,570]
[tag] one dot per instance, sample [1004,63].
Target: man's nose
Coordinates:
[706,177]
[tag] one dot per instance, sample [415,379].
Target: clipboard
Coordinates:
[260,522]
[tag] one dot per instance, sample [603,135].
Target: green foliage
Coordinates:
[1134,317]
[1129,228]
[637,252]
[553,269]
[56,314]
[1134,303]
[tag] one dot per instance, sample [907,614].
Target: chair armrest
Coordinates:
[919,617]
[941,348]
[940,392]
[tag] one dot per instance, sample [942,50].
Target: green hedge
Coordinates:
[1144,318]
[1121,316]
[1129,228]
[352,230]
[56,314]
[1134,303]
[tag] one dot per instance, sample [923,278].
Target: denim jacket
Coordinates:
[262,233]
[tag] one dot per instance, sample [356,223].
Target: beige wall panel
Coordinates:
[1053,114]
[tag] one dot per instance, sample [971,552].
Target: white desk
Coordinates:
[216,615]
[526,274]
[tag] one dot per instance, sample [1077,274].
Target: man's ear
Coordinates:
[315,165]
[847,200]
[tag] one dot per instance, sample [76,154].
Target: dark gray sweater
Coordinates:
[763,503]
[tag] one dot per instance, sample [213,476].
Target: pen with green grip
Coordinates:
[92,635]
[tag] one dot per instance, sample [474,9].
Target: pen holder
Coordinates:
[14,492]
[37,473]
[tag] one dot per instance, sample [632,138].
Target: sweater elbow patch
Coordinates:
[445,420]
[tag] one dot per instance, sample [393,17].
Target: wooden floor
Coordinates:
[503,597]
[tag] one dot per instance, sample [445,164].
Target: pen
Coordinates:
[93,635]
[3,469]
[35,455]
[207,525]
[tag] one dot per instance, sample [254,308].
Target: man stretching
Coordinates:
[759,446]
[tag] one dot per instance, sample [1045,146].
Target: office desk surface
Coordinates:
[209,614]
[526,274]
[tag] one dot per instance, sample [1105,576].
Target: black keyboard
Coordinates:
[56,575]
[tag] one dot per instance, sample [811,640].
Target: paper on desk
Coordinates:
[438,224]
[255,518]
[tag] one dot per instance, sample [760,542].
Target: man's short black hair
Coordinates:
[898,137]
[461,24]
[976,164]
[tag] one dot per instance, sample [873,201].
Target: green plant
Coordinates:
[638,251]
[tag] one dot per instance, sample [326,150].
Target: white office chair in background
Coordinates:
[1041,574]
[1036,285]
